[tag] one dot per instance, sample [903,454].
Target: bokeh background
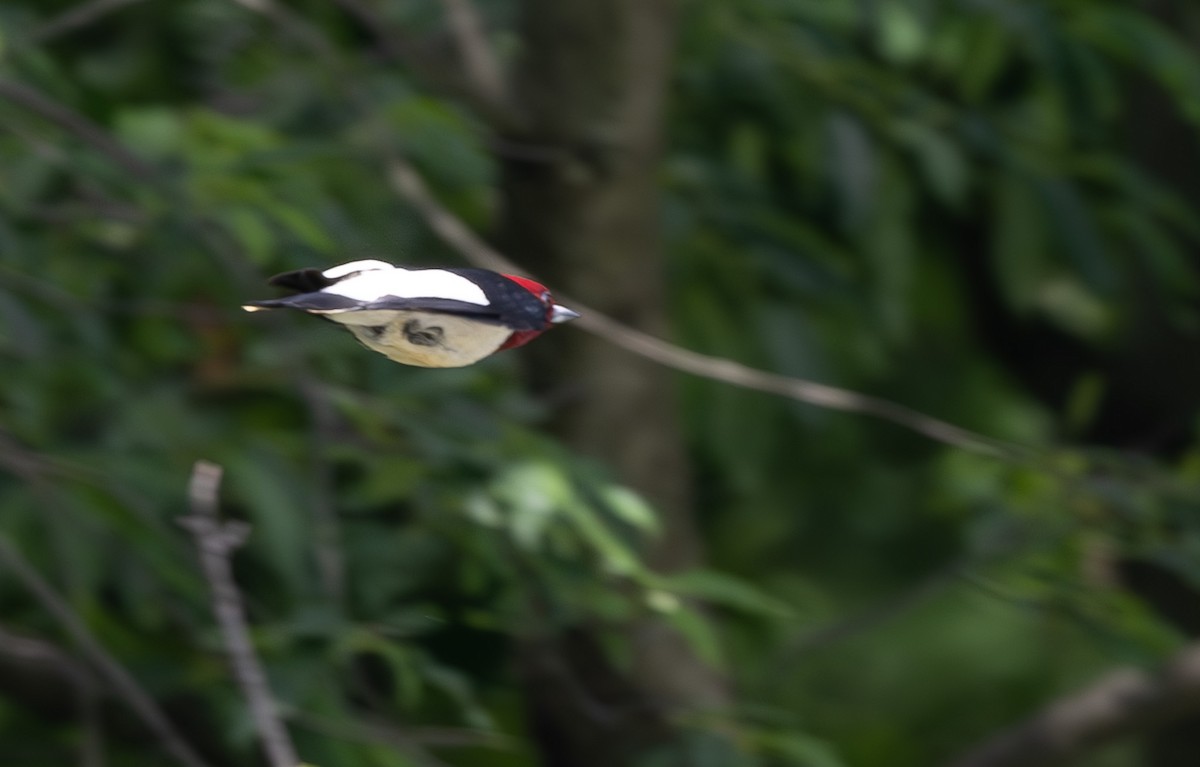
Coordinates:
[569,555]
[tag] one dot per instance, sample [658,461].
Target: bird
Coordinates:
[431,318]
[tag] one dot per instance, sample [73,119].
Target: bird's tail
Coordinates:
[317,303]
[259,306]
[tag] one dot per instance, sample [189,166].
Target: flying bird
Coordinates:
[432,318]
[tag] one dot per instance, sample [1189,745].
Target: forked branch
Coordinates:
[216,542]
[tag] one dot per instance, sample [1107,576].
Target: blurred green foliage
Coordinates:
[939,202]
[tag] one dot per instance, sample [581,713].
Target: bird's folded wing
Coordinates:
[331,303]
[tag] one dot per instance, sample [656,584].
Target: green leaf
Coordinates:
[156,132]
[616,557]
[405,665]
[727,591]
[798,748]
[533,494]
[1019,242]
[699,633]
[901,34]
[630,507]
[1075,226]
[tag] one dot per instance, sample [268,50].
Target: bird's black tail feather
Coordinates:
[302,280]
[308,302]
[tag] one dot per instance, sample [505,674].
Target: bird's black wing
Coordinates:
[509,303]
[515,306]
[331,302]
[303,280]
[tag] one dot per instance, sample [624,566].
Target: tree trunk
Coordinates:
[581,207]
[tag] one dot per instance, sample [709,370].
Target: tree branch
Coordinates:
[407,182]
[108,667]
[76,17]
[49,662]
[1123,702]
[216,541]
[484,74]
[84,129]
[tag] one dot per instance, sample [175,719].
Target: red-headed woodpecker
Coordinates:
[432,318]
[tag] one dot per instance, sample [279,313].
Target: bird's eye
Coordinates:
[545,296]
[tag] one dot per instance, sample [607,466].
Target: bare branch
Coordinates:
[1123,702]
[409,184]
[73,122]
[216,542]
[108,667]
[52,663]
[483,71]
[76,17]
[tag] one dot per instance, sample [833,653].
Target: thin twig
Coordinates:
[875,615]
[76,17]
[406,181]
[73,122]
[483,71]
[49,661]
[216,541]
[1122,702]
[121,681]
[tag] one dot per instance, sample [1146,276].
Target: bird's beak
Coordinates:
[561,314]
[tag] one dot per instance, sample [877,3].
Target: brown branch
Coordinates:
[216,541]
[483,72]
[408,183]
[120,680]
[1124,702]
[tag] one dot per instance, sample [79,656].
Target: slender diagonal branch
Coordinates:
[483,71]
[407,182]
[216,542]
[138,700]
[51,662]
[73,122]
[76,18]
[1123,702]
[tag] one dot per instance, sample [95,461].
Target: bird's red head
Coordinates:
[554,313]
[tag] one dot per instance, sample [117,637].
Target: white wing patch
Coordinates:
[341,270]
[376,282]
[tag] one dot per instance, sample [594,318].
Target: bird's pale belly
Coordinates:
[424,339]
